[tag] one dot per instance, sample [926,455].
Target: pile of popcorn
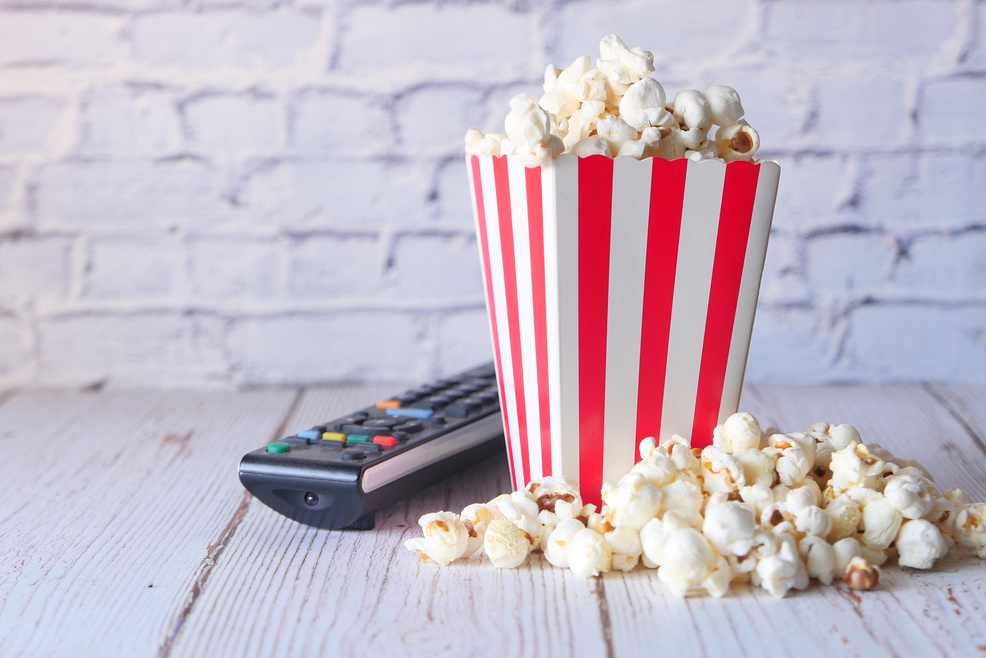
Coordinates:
[771,509]
[616,110]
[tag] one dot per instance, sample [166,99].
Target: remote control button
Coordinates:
[314,435]
[387,441]
[405,398]
[333,444]
[353,454]
[278,447]
[400,436]
[357,438]
[370,447]
[297,441]
[410,412]
[461,409]
[486,396]
[438,420]
[434,402]
[388,404]
[410,427]
[381,422]
[333,436]
[352,418]
[362,430]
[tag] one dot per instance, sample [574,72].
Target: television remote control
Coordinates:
[337,474]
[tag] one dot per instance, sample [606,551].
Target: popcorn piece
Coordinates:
[446,538]
[657,469]
[738,141]
[782,571]
[910,493]
[730,528]
[624,544]
[520,509]
[616,132]
[643,103]
[479,144]
[721,471]
[919,544]
[860,574]
[725,106]
[812,520]
[556,545]
[845,516]
[970,528]
[690,561]
[819,558]
[741,431]
[758,468]
[707,151]
[692,110]
[476,518]
[588,553]
[506,545]
[880,523]
[634,501]
[532,131]
[844,551]
[596,145]
[632,64]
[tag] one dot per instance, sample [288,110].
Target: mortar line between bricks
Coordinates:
[954,412]
[215,550]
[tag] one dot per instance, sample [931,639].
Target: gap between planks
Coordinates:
[215,550]
[941,397]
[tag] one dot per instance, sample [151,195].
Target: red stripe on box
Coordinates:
[535,225]
[513,315]
[595,218]
[667,196]
[738,194]
[484,247]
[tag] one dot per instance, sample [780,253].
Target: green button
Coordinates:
[357,438]
[278,446]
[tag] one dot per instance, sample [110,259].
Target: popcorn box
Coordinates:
[621,295]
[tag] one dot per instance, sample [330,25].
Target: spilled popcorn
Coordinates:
[771,509]
[615,110]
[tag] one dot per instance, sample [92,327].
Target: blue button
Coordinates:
[407,412]
[314,435]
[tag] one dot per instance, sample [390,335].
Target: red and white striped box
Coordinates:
[621,296]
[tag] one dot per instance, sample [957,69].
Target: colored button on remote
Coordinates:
[387,441]
[357,438]
[333,436]
[410,412]
[278,447]
[314,435]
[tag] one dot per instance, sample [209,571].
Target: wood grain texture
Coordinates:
[112,502]
[363,594]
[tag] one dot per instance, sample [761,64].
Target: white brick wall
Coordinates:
[240,192]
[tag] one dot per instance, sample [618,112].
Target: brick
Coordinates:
[790,345]
[850,264]
[230,267]
[27,124]
[336,193]
[219,39]
[856,112]
[239,123]
[944,267]
[122,120]
[132,268]
[815,191]
[335,268]
[117,192]
[668,28]
[15,357]
[784,277]
[34,267]
[339,121]
[453,200]
[70,38]
[442,39]
[929,190]
[309,348]
[437,268]
[431,119]
[130,349]
[918,343]
[947,113]
[851,32]
[463,340]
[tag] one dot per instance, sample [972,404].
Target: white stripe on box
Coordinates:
[746,304]
[627,264]
[525,310]
[503,323]
[561,205]
[692,285]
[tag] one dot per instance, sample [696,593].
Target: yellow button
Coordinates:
[333,436]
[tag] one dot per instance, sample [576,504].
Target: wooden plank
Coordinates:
[967,404]
[120,500]
[285,589]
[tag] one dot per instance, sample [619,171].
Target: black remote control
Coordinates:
[337,474]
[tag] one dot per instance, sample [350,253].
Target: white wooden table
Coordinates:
[125,532]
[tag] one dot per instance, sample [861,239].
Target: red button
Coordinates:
[388,441]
